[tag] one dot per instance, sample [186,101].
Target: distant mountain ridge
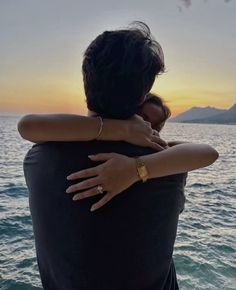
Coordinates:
[209,115]
[197,113]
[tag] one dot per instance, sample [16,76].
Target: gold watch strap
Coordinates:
[141,169]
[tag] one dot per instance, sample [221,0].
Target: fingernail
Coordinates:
[75,198]
[67,190]
[68,177]
[92,208]
[89,156]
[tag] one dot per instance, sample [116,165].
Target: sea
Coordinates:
[205,248]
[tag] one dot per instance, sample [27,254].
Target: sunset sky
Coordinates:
[42,43]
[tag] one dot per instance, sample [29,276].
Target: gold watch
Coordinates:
[141,169]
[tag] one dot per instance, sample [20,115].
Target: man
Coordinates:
[128,243]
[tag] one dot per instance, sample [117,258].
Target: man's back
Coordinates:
[125,245]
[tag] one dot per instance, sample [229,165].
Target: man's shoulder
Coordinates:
[93,147]
[75,154]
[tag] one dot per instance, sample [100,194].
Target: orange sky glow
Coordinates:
[41,57]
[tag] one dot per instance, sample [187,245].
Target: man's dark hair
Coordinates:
[119,69]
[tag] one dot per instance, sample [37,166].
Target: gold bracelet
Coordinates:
[101,127]
[141,169]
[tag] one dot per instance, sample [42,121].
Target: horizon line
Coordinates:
[18,114]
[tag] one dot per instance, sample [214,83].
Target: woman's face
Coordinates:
[153,114]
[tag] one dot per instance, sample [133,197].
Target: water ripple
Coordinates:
[205,250]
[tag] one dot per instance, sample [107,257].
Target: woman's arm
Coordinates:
[68,127]
[174,143]
[178,159]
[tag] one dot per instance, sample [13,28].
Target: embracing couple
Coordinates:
[105,191]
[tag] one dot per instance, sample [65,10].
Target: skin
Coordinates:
[39,128]
[174,160]
[153,114]
[137,130]
[183,157]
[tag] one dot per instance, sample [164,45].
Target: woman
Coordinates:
[155,111]
[181,158]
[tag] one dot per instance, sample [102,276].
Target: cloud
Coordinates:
[188,3]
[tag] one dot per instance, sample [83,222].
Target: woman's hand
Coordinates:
[140,132]
[105,175]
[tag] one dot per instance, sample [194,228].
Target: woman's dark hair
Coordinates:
[119,69]
[157,100]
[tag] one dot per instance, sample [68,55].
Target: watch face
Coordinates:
[143,172]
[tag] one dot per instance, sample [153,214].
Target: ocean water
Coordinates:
[205,249]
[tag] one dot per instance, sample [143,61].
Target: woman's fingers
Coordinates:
[158,140]
[155,146]
[148,123]
[91,192]
[83,185]
[94,170]
[102,201]
[84,173]
[155,133]
[102,156]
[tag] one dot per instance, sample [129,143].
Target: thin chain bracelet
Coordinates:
[101,127]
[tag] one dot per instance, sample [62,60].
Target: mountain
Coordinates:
[207,115]
[196,113]
[228,117]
